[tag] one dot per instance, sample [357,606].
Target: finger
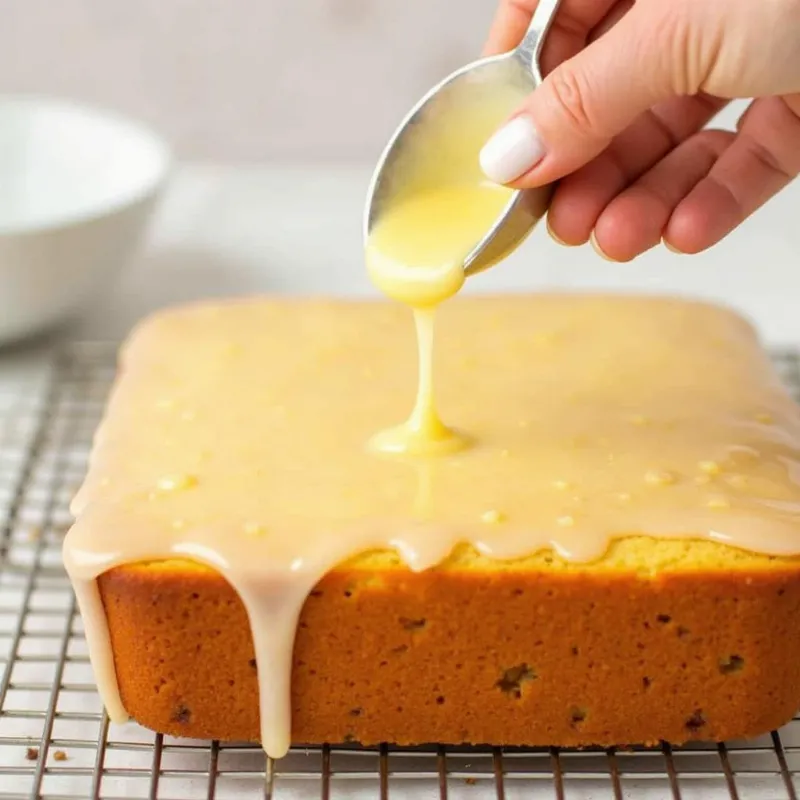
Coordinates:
[612,17]
[583,104]
[510,22]
[634,221]
[762,158]
[569,32]
[581,197]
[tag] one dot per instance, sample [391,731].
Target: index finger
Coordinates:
[574,22]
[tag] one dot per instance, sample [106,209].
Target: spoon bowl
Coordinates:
[475,99]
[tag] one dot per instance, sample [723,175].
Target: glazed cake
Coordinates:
[613,559]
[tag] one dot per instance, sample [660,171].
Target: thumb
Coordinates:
[586,101]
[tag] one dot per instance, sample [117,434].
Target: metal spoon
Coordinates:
[435,116]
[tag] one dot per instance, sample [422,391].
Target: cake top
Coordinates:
[237,434]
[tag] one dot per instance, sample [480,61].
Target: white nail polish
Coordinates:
[512,151]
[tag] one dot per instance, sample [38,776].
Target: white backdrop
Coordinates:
[244,79]
[235,80]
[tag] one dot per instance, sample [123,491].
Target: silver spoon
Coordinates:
[437,113]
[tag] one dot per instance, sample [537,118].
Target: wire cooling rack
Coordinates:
[56,742]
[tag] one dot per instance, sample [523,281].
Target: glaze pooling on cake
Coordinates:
[237,437]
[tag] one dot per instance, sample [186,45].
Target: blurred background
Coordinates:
[276,111]
[240,80]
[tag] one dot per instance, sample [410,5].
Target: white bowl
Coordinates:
[76,190]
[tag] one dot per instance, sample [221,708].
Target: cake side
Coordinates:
[533,652]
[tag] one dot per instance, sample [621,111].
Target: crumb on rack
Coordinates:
[32,754]
[60,755]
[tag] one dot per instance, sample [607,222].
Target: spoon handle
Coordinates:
[530,48]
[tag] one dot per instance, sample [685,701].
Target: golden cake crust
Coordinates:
[661,640]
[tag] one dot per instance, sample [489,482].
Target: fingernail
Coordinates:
[552,234]
[599,250]
[512,151]
[672,248]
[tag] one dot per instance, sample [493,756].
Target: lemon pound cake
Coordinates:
[611,558]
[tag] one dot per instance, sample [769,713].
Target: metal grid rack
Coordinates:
[56,742]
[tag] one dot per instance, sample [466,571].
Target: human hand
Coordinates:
[628,90]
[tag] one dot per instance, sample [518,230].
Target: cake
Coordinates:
[614,560]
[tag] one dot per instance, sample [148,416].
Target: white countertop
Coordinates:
[239,229]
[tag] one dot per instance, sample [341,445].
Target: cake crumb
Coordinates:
[175,483]
[718,503]
[656,477]
[32,754]
[577,716]
[182,715]
[696,721]
[254,529]
[733,663]
[737,481]
[60,755]
[511,680]
[709,467]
